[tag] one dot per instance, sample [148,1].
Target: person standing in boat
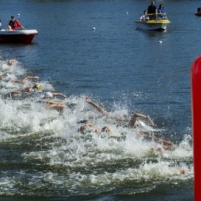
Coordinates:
[152,11]
[161,10]
[14,24]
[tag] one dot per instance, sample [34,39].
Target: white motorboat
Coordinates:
[17,36]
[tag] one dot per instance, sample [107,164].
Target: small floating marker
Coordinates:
[160,41]
[94,28]
[127,13]
[18,14]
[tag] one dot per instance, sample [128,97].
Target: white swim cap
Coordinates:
[48,95]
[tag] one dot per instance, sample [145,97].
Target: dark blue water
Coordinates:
[43,157]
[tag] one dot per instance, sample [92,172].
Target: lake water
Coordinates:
[43,156]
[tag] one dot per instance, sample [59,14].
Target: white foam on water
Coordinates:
[91,158]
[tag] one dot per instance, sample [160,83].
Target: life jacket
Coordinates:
[13,24]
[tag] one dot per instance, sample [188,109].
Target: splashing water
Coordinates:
[42,152]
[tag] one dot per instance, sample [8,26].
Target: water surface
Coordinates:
[43,156]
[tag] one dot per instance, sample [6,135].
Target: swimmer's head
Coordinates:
[10,62]
[48,95]
[82,129]
[106,129]
[36,86]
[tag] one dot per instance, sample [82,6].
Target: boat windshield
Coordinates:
[158,16]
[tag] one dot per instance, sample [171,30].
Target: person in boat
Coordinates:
[161,10]
[14,24]
[132,124]
[144,16]
[152,11]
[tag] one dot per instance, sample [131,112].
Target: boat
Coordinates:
[17,36]
[198,12]
[154,22]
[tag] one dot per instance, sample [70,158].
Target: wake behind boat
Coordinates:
[17,36]
[153,22]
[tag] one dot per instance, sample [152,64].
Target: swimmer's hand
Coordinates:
[88,100]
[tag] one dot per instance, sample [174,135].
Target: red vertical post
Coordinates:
[196,123]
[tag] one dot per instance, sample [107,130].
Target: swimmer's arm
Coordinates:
[165,143]
[50,107]
[28,77]
[51,102]
[17,81]
[134,119]
[23,80]
[56,106]
[58,94]
[98,107]
[150,121]
[15,93]
[146,117]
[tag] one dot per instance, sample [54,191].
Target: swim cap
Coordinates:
[37,86]
[82,129]
[48,95]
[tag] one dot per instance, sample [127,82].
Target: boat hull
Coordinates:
[153,24]
[17,36]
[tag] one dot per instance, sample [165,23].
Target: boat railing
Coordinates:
[157,16]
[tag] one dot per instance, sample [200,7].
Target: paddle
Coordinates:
[196,123]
